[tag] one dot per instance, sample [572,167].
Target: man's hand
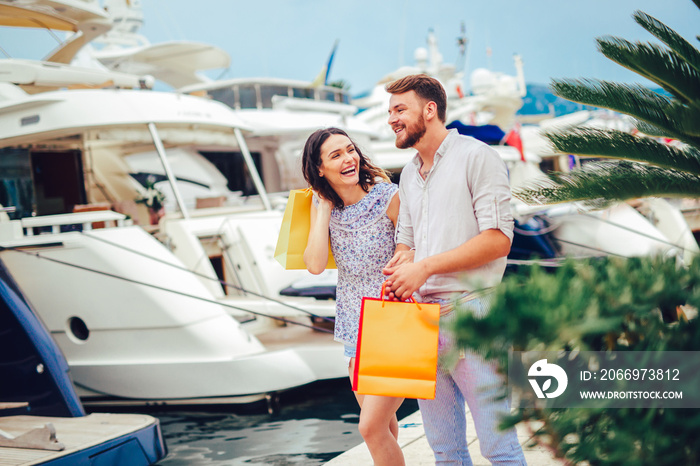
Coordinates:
[403,255]
[400,257]
[406,279]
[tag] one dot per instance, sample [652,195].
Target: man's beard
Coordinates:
[413,134]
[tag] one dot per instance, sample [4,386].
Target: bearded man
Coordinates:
[455,213]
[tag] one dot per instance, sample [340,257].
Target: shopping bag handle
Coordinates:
[384,293]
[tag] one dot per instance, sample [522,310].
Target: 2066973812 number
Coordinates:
[639,374]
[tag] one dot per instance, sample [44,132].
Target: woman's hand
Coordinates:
[324,205]
[406,279]
[401,256]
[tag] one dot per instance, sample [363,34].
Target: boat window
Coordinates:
[342,97]
[224,95]
[302,93]
[58,181]
[327,95]
[16,189]
[232,165]
[247,96]
[266,93]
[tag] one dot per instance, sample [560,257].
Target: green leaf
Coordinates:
[651,130]
[666,68]
[670,37]
[637,101]
[616,144]
[600,184]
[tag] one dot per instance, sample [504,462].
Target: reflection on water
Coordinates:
[314,424]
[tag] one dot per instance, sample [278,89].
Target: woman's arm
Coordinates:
[392,210]
[316,253]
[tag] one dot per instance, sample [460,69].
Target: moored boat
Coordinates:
[142,320]
[42,421]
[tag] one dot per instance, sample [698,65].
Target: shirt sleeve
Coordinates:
[488,181]
[404,227]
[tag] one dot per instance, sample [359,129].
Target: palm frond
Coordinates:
[616,144]
[635,100]
[600,184]
[651,130]
[666,68]
[669,37]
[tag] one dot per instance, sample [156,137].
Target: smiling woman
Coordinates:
[340,164]
[312,165]
[356,207]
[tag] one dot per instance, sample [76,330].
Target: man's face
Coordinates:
[406,119]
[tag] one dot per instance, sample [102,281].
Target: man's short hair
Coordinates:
[426,88]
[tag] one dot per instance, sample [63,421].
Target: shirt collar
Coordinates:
[446,144]
[444,147]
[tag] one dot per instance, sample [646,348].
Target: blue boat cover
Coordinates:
[32,367]
[490,134]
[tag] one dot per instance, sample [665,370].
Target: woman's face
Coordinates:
[340,162]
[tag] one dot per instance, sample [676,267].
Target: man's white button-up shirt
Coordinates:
[466,192]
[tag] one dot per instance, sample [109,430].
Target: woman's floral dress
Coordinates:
[362,241]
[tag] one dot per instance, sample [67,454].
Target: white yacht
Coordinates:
[281,113]
[143,312]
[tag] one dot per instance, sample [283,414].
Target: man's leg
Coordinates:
[444,419]
[480,384]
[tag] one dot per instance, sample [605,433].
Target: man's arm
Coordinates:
[405,278]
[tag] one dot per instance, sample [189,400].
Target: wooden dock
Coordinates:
[76,433]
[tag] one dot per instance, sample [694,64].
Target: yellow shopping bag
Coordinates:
[397,349]
[294,233]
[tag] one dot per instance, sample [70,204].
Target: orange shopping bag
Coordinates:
[397,349]
[294,233]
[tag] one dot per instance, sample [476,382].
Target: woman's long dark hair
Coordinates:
[311,161]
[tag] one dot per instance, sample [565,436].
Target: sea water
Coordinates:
[309,425]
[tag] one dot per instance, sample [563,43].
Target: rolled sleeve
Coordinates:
[488,177]
[499,218]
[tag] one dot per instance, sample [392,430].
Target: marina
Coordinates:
[298,432]
[144,318]
[149,291]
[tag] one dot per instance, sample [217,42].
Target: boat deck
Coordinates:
[284,336]
[76,433]
[417,452]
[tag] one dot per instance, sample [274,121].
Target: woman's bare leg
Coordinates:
[379,427]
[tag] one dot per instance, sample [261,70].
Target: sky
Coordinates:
[293,38]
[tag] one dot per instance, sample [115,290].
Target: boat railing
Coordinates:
[84,220]
[296,104]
